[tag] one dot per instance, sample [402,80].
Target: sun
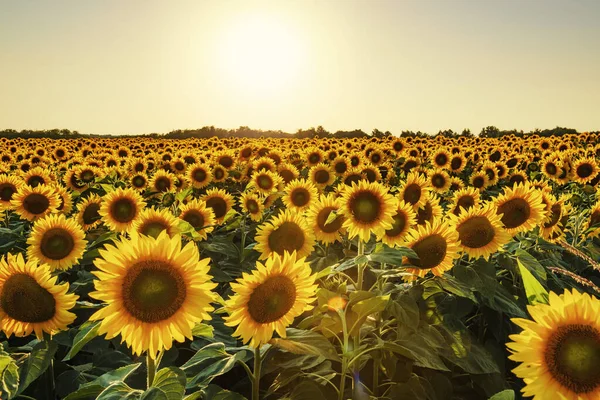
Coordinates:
[261,55]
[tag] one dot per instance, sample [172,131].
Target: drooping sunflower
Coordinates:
[88,214]
[31,300]
[521,208]
[269,299]
[253,205]
[368,208]
[56,241]
[318,215]
[436,244]
[288,231]
[151,222]
[9,185]
[584,170]
[404,219]
[559,349]
[120,208]
[414,191]
[480,231]
[155,291]
[299,194]
[220,201]
[199,216]
[33,203]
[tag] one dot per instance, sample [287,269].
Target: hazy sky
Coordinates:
[115,66]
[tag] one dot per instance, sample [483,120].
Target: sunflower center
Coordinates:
[465,202]
[456,163]
[123,210]
[272,299]
[252,206]
[218,205]
[286,175]
[331,227]
[300,197]
[199,175]
[287,237]
[441,159]
[397,226]
[265,182]
[314,158]
[478,181]
[572,355]
[321,176]
[6,191]
[365,206]
[219,173]
[412,193]
[476,232]
[515,212]
[90,214]
[431,251]
[424,214]
[555,212]
[585,170]
[163,184]
[551,169]
[23,299]
[35,181]
[153,291]
[36,203]
[438,181]
[153,228]
[138,181]
[595,218]
[57,243]
[87,176]
[194,218]
[341,167]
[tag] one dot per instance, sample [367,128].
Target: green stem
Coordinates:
[345,351]
[151,367]
[361,267]
[256,378]
[376,366]
[49,374]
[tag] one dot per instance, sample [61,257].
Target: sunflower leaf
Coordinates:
[38,361]
[298,341]
[87,332]
[507,394]
[203,330]
[533,288]
[169,384]
[331,217]
[95,387]
[9,375]
[392,256]
[367,307]
[118,391]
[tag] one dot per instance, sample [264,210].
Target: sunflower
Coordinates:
[198,175]
[253,205]
[593,223]
[439,180]
[554,223]
[220,201]
[436,244]
[162,181]
[584,170]
[155,291]
[464,198]
[479,180]
[299,194]
[340,165]
[269,299]
[265,182]
[138,181]
[480,231]
[37,176]
[32,203]
[151,222]
[9,185]
[431,209]
[88,212]
[288,172]
[414,191]
[321,175]
[66,202]
[441,158]
[521,208]
[368,208]
[318,215]
[288,231]
[458,163]
[352,176]
[31,300]
[559,349]
[56,241]
[199,216]
[120,208]
[404,219]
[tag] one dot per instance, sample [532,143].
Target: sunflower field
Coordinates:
[332,268]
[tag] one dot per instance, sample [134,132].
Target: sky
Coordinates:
[119,67]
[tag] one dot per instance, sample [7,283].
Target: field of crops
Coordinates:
[360,268]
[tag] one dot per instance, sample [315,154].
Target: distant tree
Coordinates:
[490,131]
[466,133]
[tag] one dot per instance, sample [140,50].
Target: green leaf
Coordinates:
[392,256]
[203,330]
[37,362]
[9,375]
[533,288]
[209,362]
[331,217]
[452,285]
[107,188]
[95,387]
[531,264]
[307,390]
[87,332]
[298,341]
[367,307]
[507,394]
[214,392]
[118,391]
[415,348]
[169,384]
[180,196]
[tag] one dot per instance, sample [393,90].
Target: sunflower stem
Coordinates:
[151,367]
[51,388]
[345,352]
[256,375]
[361,267]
